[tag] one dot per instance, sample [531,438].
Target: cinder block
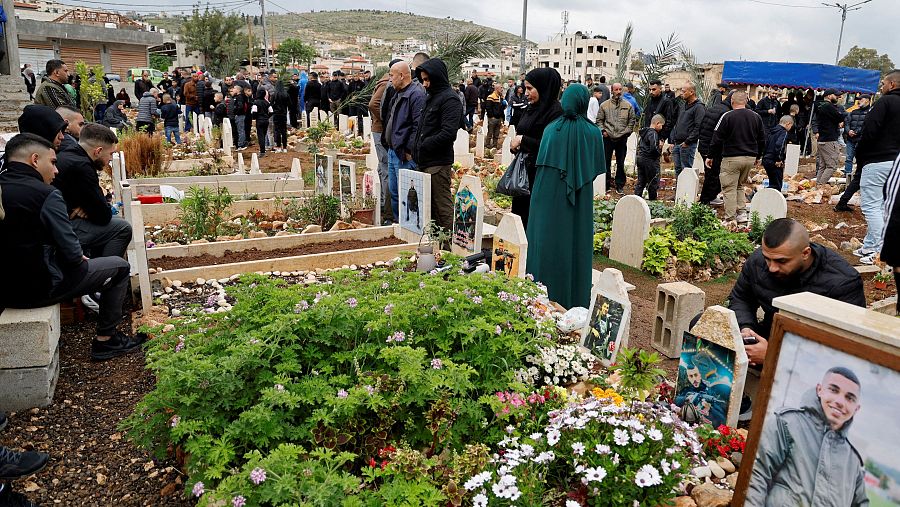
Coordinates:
[28,338]
[676,304]
[25,388]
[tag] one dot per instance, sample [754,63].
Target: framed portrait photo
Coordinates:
[826,419]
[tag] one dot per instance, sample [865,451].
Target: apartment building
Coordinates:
[579,56]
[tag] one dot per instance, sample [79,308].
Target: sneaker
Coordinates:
[620,191]
[716,202]
[863,252]
[10,499]
[867,259]
[90,303]
[843,207]
[20,464]
[742,218]
[746,409]
[119,344]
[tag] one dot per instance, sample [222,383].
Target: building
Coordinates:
[578,56]
[711,72]
[410,46]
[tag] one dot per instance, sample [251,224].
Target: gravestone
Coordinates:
[607,328]
[254,164]
[227,138]
[194,127]
[631,147]
[182,117]
[122,166]
[506,156]
[323,165]
[140,258]
[468,216]
[240,164]
[479,144]
[414,196]
[600,185]
[719,325]
[687,187]
[372,156]
[510,247]
[314,117]
[367,126]
[483,128]
[792,160]
[343,123]
[630,227]
[296,170]
[769,202]
[511,131]
[371,187]
[116,165]
[699,162]
[347,179]
[207,130]
[461,151]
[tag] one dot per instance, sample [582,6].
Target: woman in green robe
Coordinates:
[561,227]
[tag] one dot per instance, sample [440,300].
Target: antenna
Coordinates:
[565,22]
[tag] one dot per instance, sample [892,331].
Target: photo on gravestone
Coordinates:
[368,184]
[705,377]
[411,193]
[465,217]
[323,174]
[603,336]
[347,180]
[506,257]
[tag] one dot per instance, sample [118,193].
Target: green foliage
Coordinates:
[216,36]
[352,367]
[693,221]
[657,250]
[490,186]
[292,51]
[639,371]
[758,227]
[662,59]
[203,210]
[624,55]
[727,246]
[464,47]
[690,250]
[600,240]
[93,89]
[323,210]
[603,215]
[315,134]
[867,58]
[160,62]
[659,209]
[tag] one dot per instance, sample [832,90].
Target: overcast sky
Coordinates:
[715,30]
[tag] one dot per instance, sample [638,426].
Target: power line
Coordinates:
[227,3]
[788,5]
[844,8]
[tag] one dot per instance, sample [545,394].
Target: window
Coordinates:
[590,63]
[590,49]
[578,64]
[579,50]
[617,52]
[556,51]
[545,52]
[555,65]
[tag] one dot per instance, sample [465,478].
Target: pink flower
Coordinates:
[238,501]
[477,300]
[279,387]
[175,420]
[351,302]
[437,364]
[498,330]
[399,336]
[389,309]
[258,476]
[342,393]
[198,489]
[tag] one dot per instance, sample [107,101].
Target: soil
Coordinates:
[169,263]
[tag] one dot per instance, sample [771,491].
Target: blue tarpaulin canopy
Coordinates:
[818,76]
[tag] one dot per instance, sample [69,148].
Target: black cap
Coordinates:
[723,84]
[831,91]
[864,96]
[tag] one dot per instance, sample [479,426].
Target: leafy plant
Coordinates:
[323,210]
[657,250]
[663,57]
[315,134]
[624,55]
[216,36]
[883,276]
[603,215]
[758,227]
[93,88]
[202,211]
[466,46]
[639,371]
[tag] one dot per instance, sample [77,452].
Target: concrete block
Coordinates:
[677,303]
[25,388]
[28,337]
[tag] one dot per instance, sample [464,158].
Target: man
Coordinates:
[402,127]
[240,79]
[668,92]
[191,101]
[686,132]
[853,127]
[768,110]
[629,96]
[660,104]
[44,122]
[740,140]
[508,97]
[41,255]
[890,237]
[312,97]
[377,131]
[604,93]
[30,80]
[875,153]
[148,112]
[441,119]
[719,104]
[412,203]
[74,123]
[336,91]
[594,105]
[165,83]
[471,103]
[804,456]
[787,263]
[616,119]
[142,85]
[52,93]
[493,106]
[827,120]
[293,90]
[773,158]
[355,92]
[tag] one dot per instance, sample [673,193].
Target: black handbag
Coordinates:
[514,181]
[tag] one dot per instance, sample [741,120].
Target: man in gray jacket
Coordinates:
[616,118]
[804,457]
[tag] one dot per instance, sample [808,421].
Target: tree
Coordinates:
[455,52]
[93,88]
[160,62]
[215,36]
[866,58]
[624,53]
[294,51]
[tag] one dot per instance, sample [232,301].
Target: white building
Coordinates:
[410,45]
[578,56]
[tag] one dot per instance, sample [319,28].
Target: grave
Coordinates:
[343,123]
[468,216]
[29,357]
[367,126]
[769,202]
[631,146]
[511,131]
[506,156]
[699,162]
[479,144]
[240,164]
[600,186]
[324,167]
[510,246]
[718,325]
[792,160]
[630,227]
[207,130]
[254,164]
[687,187]
[610,317]
[314,117]
[371,187]
[195,128]
[227,138]
[139,244]
[296,170]
[461,152]
[372,156]
[414,193]
[677,303]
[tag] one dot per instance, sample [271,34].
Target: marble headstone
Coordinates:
[610,317]
[510,247]
[769,202]
[630,227]
[687,186]
[792,160]
[254,164]
[479,144]
[506,156]
[241,169]
[414,196]
[296,170]
[468,216]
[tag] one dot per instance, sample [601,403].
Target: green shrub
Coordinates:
[203,210]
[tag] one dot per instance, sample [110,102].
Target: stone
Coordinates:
[200,281]
[506,156]
[283,233]
[685,501]
[716,470]
[677,303]
[254,164]
[599,186]
[340,226]
[731,480]
[708,495]
[28,337]
[769,202]
[479,144]
[324,173]
[726,465]
[257,234]
[630,227]
[855,244]
[240,169]
[312,228]
[687,187]
[468,217]
[414,193]
[701,472]
[199,241]
[461,145]
[846,246]
[25,388]
[296,170]
[510,246]
[176,283]
[818,238]
[736,458]
[606,332]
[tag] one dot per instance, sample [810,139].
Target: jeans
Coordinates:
[871,201]
[241,124]
[170,131]
[381,153]
[852,187]
[394,166]
[683,157]
[851,153]
[110,240]
[619,147]
[470,110]
[187,117]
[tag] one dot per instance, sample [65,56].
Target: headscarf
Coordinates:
[547,82]
[572,144]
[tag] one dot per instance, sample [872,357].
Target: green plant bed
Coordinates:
[316,384]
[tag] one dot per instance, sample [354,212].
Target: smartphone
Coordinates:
[750,340]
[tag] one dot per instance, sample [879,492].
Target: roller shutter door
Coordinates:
[123,59]
[35,53]
[70,55]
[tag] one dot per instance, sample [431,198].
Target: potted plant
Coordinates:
[426,257]
[881,280]
[362,209]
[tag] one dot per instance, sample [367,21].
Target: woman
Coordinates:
[281,104]
[261,110]
[542,92]
[519,104]
[123,97]
[560,232]
[114,117]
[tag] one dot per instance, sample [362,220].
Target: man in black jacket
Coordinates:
[99,233]
[142,85]
[312,96]
[787,263]
[41,255]
[441,120]
[43,121]
[768,109]
[827,122]
[293,90]
[471,94]
[336,90]
[686,132]
[658,104]
[717,106]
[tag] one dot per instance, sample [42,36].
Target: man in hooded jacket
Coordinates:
[433,148]
[43,121]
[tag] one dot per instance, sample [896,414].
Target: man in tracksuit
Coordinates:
[773,158]
[402,127]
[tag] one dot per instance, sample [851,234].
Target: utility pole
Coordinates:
[524,40]
[250,42]
[844,8]
[262,5]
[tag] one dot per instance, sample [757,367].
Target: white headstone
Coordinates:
[140,250]
[479,144]
[367,126]
[792,159]
[468,216]
[414,195]
[630,227]
[769,202]
[631,147]
[506,156]
[610,317]
[347,179]
[296,170]
[314,117]
[254,164]
[511,131]
[116,164]
[194,127]
[687,186]
[510,247]
[324,174]
[699,166]
[461,145]
[240,164]
[343,123]
[600,185]
[371,187]
[207,130]
[483,128]
[122,166]
[227,137]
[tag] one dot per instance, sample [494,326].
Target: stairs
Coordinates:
[13,99]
